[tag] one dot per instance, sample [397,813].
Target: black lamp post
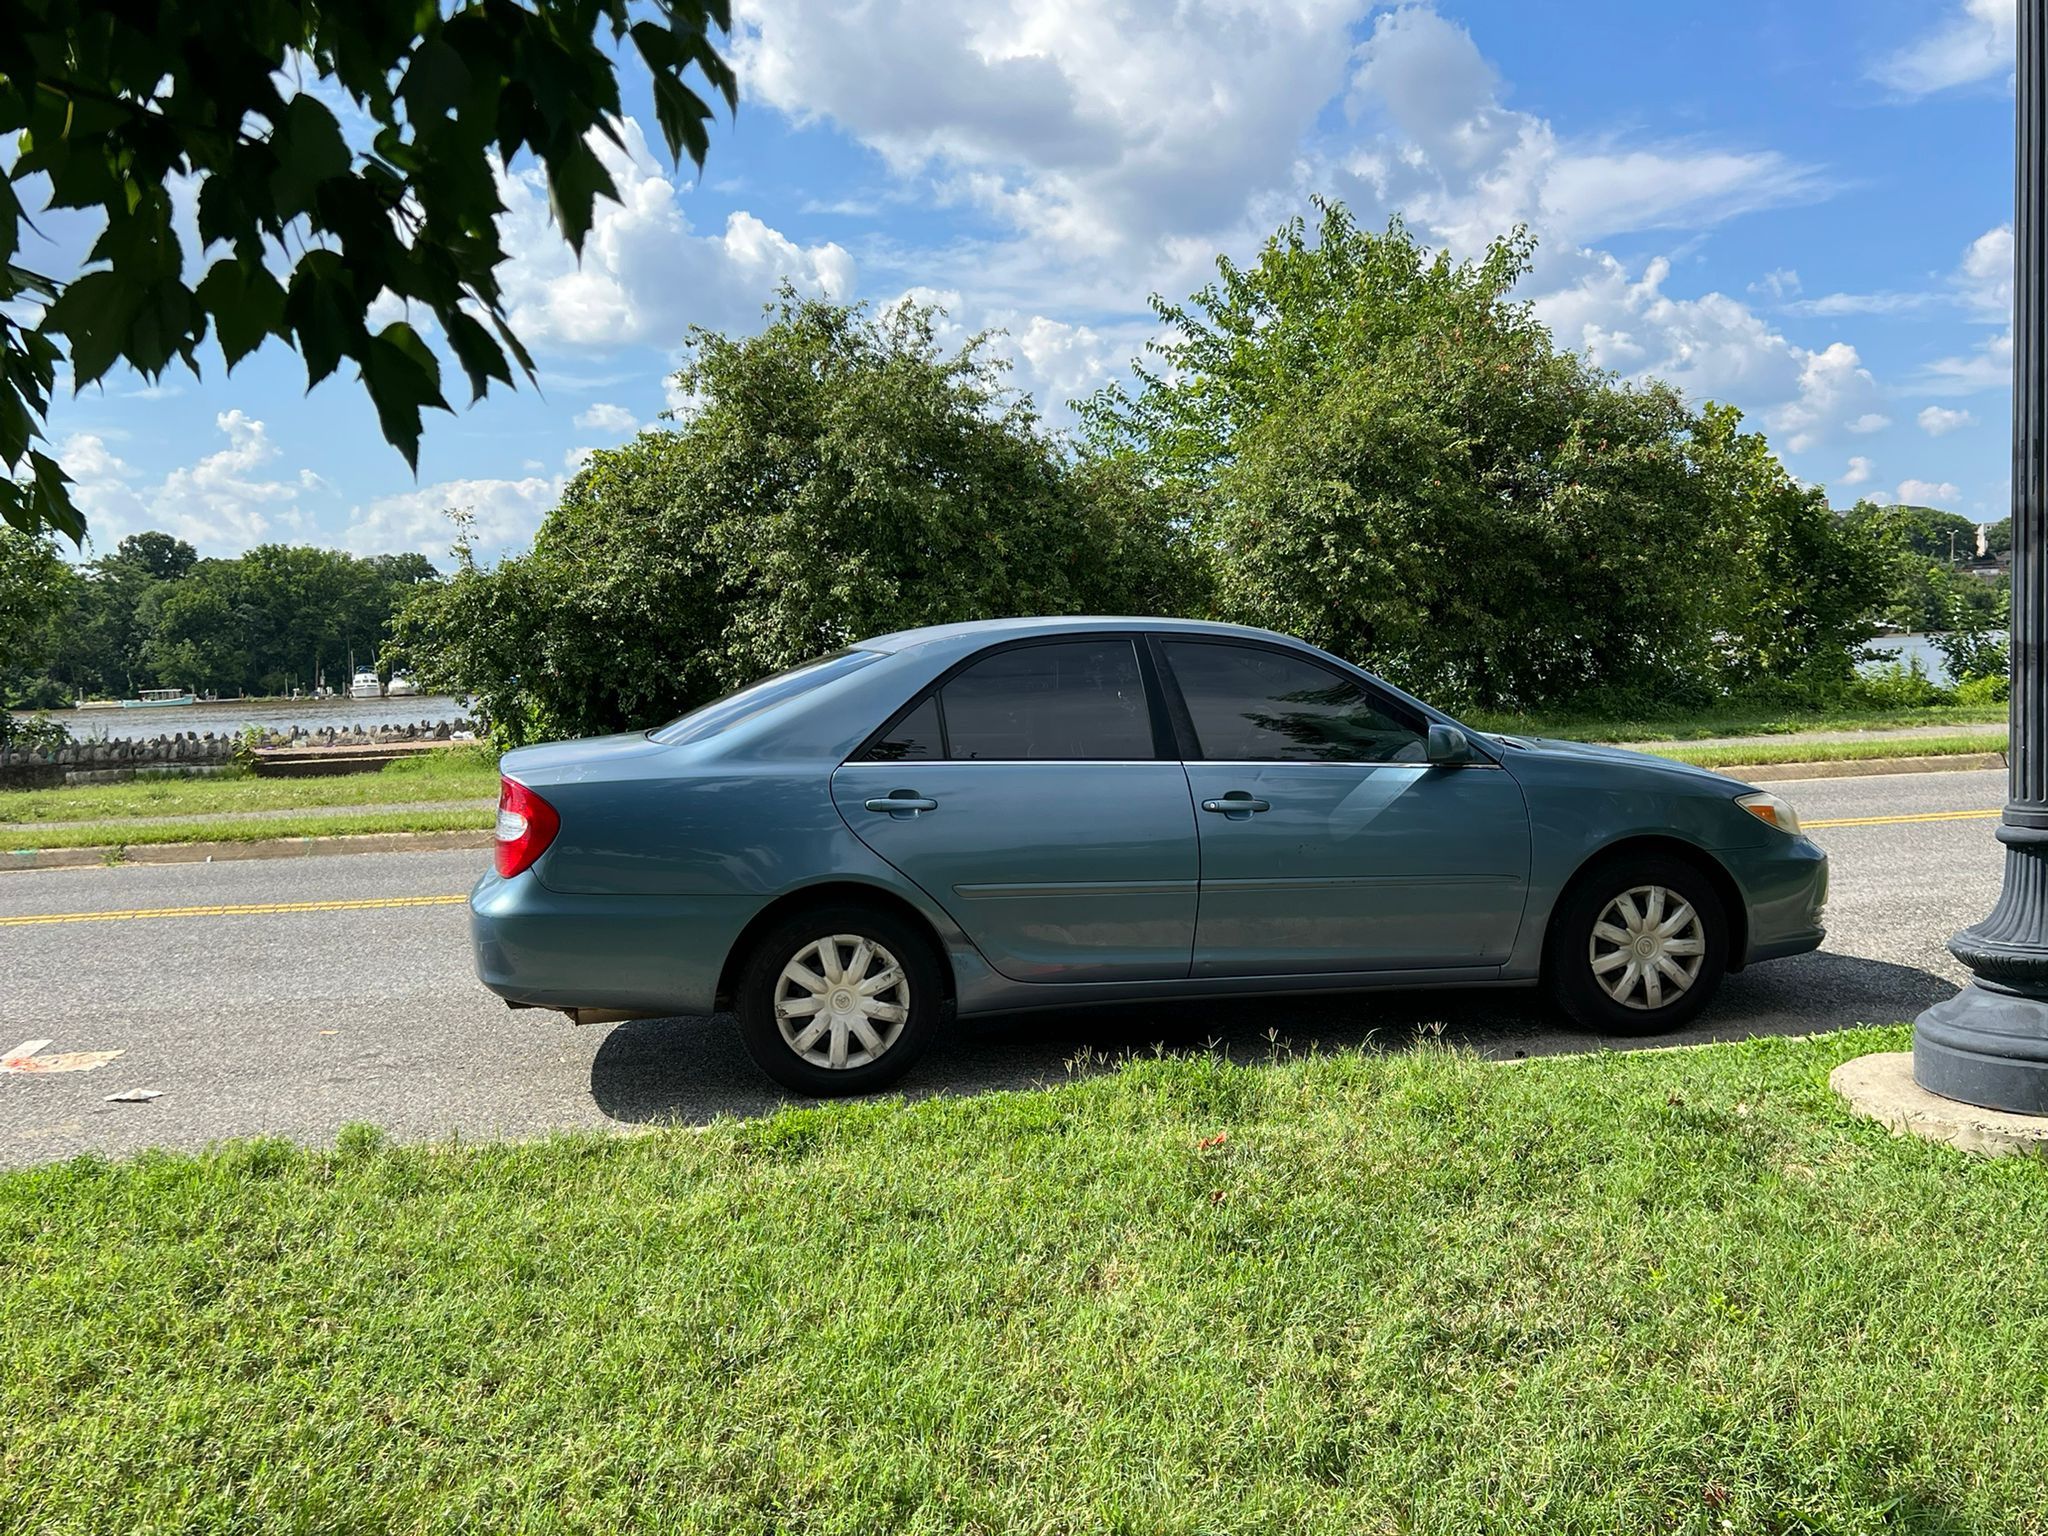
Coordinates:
[1988,1045]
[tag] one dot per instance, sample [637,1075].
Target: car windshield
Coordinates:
[723,714]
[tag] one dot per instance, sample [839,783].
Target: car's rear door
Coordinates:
[1035,794]
[1328,843]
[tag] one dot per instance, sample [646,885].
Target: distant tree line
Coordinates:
[153,614]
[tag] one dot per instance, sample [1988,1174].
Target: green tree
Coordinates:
[160,556]
[1380,450]
[193,641]
[37,588]
[1792,587]
[112,106]
[840,475]
[1922,591]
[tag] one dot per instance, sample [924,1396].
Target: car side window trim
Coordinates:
[1164,746]
[1184,720]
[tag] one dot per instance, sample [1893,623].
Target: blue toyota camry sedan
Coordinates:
[1028,813]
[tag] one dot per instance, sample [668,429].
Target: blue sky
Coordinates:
[1800,209]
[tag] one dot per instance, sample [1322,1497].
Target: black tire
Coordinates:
[761,978]
[1569,972]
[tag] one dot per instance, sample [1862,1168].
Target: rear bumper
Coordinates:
[637,954]
[1785,888]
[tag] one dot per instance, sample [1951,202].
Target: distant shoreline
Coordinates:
[229,716]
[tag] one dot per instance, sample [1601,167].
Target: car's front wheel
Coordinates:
[839,1000]
[1638,946]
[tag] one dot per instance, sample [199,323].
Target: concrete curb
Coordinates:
[1880,1087]
[264,848]
[1859,768]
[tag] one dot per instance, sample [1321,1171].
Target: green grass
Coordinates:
[449,774]
[1834,751]
[1669,1292]
[137,834]
[1692,725]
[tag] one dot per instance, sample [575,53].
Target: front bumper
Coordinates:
[637,954]
[1784,886]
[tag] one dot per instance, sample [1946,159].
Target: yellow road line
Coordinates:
[1886,821]
[250,909]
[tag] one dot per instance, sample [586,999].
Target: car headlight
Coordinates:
[1769,808]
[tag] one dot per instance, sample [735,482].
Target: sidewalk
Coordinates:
[1895,733]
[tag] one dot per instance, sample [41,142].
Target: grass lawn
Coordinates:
[1835,751]
[450,774]
[1669,1292]
[1691,725]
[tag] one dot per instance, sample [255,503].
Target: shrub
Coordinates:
[1993,689]
[1897,685]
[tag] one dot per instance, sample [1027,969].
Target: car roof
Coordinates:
[983,631]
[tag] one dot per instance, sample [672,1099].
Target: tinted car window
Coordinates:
[722,714]
[1252,705]
[913,738]
[1073,699]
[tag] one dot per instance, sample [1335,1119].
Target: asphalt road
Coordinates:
[297,1023]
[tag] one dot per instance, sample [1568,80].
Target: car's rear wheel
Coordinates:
[1638,946]
[839,1000]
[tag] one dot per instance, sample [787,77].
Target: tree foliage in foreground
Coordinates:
[114,104]
[1380,450]
[839,475]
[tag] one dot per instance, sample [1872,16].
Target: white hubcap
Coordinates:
[841,1002]
[1647,947]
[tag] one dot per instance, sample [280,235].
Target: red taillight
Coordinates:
[526,825]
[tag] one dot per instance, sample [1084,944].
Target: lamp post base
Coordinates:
[1987,1047]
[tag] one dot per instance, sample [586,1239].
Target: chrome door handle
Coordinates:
[900,803]
[1235,803]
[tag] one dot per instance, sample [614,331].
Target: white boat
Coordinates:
[364,685]
[402,687]
[159,698]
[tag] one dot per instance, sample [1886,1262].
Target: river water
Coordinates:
[1908,647]
[228,716]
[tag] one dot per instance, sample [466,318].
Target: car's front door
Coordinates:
[1029,796]
[1328,842]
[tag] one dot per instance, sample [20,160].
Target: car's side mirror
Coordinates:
[1448,746]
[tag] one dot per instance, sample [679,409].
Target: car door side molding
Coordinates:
[1021,890]
[1348,882]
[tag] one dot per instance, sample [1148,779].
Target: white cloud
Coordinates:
[605,417]
[1711,347]
[1858,472]
[1782,283]
[1938,421]
[1987,366]
[1833,384]
[507,512]
[1459,161]
[1928,493]
[644,275]
[1984,277]
[1981,284]
[1103,128]
[221,504]
[1975,42]
[1889,302]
